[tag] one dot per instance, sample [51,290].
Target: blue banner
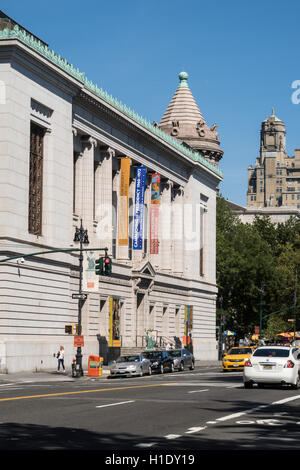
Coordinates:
[138,223]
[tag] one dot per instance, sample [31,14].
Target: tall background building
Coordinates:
[274,181]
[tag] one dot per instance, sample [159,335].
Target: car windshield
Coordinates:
[152,354]
[128,359]
[272,352]
[174,353]
[239,351]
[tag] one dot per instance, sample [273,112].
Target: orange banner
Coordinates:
[123,202]
[154,214]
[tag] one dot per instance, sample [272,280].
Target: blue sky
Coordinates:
[241,56]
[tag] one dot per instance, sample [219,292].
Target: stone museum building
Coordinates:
[72,156]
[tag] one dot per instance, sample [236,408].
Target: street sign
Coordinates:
[79,296]
[78,341]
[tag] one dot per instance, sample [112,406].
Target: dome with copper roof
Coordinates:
[184,120]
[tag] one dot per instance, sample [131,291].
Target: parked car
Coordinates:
[131,364]
[235,358]
[160,361]
[273,365]
[182,358]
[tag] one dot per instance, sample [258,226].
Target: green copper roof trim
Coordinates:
[38,46]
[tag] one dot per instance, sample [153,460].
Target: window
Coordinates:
[36,179]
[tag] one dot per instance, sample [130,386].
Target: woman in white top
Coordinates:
[61,358]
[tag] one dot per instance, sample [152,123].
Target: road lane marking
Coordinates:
[257,408]
[199,391]
[83,391]
[172,436]
[114,404]
[145,444]
[204,384]
[195,429]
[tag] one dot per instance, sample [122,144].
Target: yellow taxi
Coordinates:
[235,358]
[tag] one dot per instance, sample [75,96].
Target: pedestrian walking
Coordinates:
[61,358]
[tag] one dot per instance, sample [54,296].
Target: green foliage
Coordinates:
[256,264]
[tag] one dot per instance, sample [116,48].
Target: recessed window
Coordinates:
[36,179]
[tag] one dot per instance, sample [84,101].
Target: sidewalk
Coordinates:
[54,376]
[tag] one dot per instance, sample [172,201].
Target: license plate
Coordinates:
[235,365]
[268,367]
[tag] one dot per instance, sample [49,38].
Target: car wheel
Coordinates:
[297,384]
[181,367]
[162,370]
[260,385]
[248,385]
[192,366]
[149,371]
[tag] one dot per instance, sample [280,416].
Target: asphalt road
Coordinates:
[182,413]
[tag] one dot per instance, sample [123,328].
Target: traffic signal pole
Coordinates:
[61,250]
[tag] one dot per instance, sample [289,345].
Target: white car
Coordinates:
[273,365]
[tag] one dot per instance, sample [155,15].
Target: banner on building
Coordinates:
[90,280]
[138,222]
[154,214]
[123,202]
[188,326]
[114,322]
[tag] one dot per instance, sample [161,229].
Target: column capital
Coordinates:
[88,141]
[107,151]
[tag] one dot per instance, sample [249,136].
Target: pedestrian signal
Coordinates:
[71,329]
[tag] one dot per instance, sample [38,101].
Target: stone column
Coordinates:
[85,183]
[165,247]
[177,231]
[103,198]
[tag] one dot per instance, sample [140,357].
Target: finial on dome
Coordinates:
[183,76]
[273,114]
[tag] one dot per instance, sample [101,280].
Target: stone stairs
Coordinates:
[132,350]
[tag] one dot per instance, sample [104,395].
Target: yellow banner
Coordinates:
[114,322]
[123,202]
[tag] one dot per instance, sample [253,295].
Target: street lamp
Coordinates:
[80,236]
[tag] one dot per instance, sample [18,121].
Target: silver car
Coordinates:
[273,365]
[182,358]
[131,364]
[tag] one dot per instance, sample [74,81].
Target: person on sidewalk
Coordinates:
[61,359]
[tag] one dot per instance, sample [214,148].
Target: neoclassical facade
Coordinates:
[71,153]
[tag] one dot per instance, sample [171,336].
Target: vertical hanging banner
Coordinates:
[114,322]
[90,280]
[123,202]
[154,214]
[138,223]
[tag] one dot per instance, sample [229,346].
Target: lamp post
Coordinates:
[80,236]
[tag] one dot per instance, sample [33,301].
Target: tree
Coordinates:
[255,262]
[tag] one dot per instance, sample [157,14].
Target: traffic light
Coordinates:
[107,266]
[99,266]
